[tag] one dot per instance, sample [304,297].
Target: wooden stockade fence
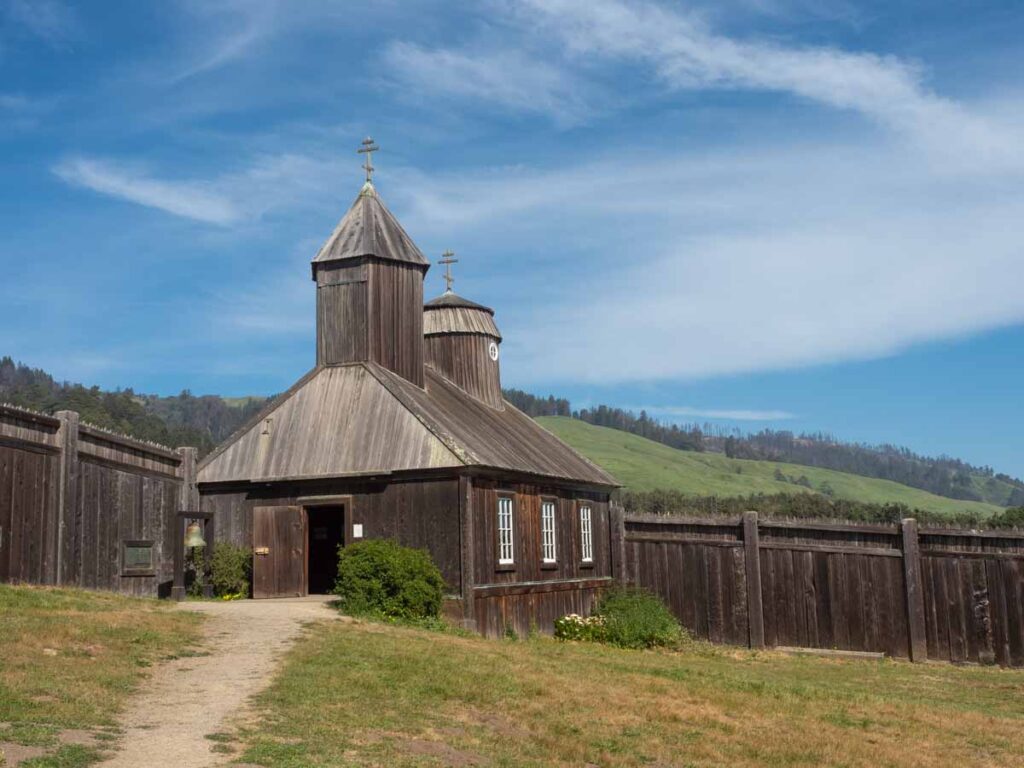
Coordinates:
[75,499]
[933,593]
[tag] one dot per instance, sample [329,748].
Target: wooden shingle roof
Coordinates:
[362,419]
[453,314]
[369,229]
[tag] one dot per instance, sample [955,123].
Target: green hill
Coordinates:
[643,465]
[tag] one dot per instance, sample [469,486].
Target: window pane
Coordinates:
[586,536]
[505,549]
[547,529]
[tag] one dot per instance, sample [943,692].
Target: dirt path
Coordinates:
[188,698]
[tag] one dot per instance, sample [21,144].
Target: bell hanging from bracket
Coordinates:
[194,535]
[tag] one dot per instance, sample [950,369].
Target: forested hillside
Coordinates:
[184,419]
[662,479]
[942,476]
[204,421]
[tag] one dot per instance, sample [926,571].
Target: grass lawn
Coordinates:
[68,659]
[370,694]
[644,465]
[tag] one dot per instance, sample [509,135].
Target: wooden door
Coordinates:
[279,552]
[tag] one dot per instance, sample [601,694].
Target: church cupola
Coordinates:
[462,342]
[369,288]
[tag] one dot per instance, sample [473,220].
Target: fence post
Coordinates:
[617,519]
[914,591]
[755,611]
[189,499]
[67,495]
[467,556]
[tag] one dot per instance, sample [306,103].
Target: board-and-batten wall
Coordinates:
[432,514]
[71,495]
[417,513]
[529,595]
[464,359]
[951,595]
[351,326]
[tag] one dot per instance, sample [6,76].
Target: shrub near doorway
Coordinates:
[379,577]
[231,571]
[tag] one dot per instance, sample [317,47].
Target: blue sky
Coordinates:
[784,213]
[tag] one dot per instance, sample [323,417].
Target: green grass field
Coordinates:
[644,465]
[68,661]
[373,695]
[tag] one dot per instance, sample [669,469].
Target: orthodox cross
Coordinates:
[368,149]
[447,258]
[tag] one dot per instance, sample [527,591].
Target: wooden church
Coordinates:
[401,431]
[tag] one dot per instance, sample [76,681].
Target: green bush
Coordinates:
[634,618]
[231,570]
[1010,518]
[379,577]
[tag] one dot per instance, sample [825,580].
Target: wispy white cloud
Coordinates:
[228,30]
[512,78]
[192,200]
[719,263]
[52,21]
[683,53]
[725,414]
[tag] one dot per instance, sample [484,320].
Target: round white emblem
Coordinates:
[492,350]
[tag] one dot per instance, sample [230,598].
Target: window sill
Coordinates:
[505,567]
[127,574]
[549,566]
[587,564]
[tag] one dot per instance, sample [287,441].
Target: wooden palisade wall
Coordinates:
[71,495]
[918,594]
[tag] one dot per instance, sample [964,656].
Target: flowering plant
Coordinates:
[576,627]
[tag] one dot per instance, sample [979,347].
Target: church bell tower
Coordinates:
[369,288]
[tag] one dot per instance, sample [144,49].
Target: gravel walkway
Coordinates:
[188,698]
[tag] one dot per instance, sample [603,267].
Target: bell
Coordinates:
[194,535]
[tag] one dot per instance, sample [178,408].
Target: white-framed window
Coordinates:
[547,531]
[506,553]
[586,535]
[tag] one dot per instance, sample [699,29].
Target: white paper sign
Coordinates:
[357,531]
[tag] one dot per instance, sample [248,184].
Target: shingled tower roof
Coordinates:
[370,229]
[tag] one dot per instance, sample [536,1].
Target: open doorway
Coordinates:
[326,533]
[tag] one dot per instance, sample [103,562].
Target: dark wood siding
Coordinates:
[396,318]
[526,519]
[530,594]
[28,514]
[341,321]
[416,513]
[371,310]
[937,594]
[464,360]
[118,505]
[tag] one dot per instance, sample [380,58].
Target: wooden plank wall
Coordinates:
[465,361]
[525,609]
[71,494]
[938,594]
[29,473]
[417,513]
[529,595]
